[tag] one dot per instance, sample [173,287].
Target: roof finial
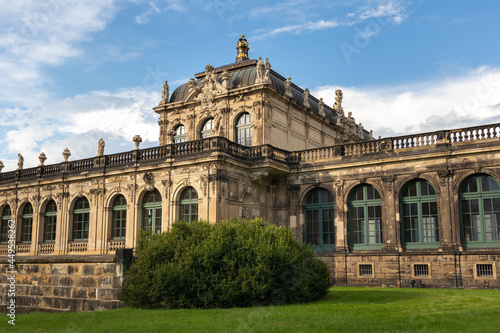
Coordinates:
[242,47]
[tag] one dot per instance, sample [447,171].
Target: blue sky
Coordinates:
[73,72]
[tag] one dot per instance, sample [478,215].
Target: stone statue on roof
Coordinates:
[100,147]
[267,72]
[305,96]
[321,106]
[164,92]
[288,87]
[20,163]
[259,71]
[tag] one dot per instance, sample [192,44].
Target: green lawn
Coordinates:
[345,309]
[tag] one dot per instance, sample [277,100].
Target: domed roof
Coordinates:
[243,74]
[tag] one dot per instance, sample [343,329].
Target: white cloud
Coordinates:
[78,123]
[454,102]
[156,8]
[391,11]
[37,34]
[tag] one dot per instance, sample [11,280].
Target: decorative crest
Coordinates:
[242,48]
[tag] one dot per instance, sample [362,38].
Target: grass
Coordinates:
[345,309]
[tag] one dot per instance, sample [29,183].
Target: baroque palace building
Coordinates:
[242,140]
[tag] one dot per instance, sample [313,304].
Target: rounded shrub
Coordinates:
[235,263]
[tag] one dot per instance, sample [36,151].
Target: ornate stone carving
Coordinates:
[137,141]
[305,96]
[339,184]
[20,163]
[338,100]
[132,188]
[100,147]
[1,166]
[257,175]
[66,154]
[225,79]
[148,178]
[444,175]
[42,158]
[388,182]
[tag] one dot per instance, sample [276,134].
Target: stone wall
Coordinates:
[445,270]
[56,283]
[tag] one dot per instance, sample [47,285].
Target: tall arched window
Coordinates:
[50,222]
[27,223]
[320,216]
[480,211]
[118,217]
[180,134]
[244,129]
[151,212]
[188,205]
[365,217]
[419,215]
[81,218]
[207,129]
[4,225]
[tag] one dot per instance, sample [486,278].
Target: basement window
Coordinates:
[421,270]
[484,270]
[365,270]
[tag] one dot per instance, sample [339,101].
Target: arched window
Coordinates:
[27,223]
[365,218]
[151,212]
[118,217]
[419,215]
[81,218]
[4,225]
[50,222]
[320,216]
[208,129]
[180,134]
[188,205]
[244,129]
[480,211]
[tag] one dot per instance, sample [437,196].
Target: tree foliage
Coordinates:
[236,263]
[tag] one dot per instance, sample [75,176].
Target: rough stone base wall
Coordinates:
[393,270]
[64,284]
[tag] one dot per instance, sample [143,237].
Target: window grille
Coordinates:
[365,270]
[421,270]
[484,270]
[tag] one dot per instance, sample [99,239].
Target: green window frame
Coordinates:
[81,220]
[180,134]
[365,218]
[320,219]
[4,226]
[419,215]
[480,211]
[119,217]
[243,131]
[50,222]
[151,212]
[27,223]
[207,130]
[188,205]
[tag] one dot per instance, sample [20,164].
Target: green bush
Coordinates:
[236,263]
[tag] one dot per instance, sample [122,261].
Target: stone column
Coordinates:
[294,222]
[133,222]
[35,227]
[391,229]
[62,227]
[445,202]
[341,219]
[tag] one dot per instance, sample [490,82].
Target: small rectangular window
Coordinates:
[484,270]
[421,270]
[365,270]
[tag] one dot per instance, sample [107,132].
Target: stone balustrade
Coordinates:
[223,145]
